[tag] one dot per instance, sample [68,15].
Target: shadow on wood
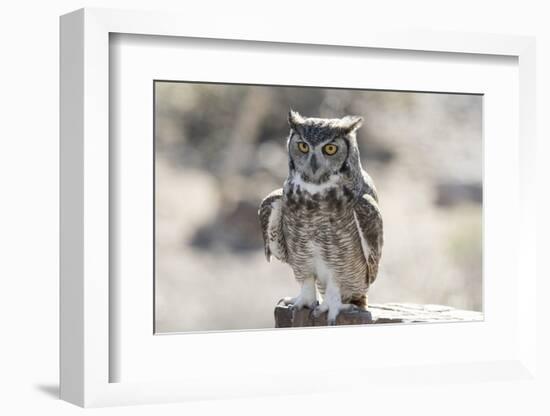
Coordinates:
[387,313]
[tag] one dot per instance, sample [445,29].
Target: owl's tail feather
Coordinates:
[360,301]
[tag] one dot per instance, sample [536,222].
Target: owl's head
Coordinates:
[321,147]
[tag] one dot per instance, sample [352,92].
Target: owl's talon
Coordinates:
[287,301]
[319,310]
[352,308]
[333,311]
[292,312]
[313,305]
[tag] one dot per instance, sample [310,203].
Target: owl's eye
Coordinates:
[330,149]
[304,148]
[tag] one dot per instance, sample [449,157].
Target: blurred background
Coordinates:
[221,148]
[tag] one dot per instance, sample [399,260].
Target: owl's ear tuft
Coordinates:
[294,119]
[351,123]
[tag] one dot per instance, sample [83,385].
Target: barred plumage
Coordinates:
[325,222]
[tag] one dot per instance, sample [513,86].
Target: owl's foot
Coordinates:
[306,299]
[333,310]
[298,303]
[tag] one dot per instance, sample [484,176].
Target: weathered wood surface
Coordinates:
[387,313]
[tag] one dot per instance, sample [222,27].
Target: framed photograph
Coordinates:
[241,209]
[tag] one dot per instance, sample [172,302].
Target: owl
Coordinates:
[325,221]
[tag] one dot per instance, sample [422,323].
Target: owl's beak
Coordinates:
[314,164]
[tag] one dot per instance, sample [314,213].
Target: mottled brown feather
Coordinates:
[275,234]
[370,225]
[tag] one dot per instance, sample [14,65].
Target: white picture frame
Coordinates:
[87,302]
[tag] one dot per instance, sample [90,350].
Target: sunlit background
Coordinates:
[221,148]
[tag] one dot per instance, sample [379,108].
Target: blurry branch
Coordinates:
[247,128]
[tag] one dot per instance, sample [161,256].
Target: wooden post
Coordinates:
[387,313]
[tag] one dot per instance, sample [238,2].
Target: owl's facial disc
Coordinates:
[320,147]
[316,160]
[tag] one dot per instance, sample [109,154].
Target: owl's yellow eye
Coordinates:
[330,149]
[304,148]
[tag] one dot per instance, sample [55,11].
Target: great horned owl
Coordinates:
[325,221]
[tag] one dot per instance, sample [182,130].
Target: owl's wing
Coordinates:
[370,227]
[369,185]
[270,214]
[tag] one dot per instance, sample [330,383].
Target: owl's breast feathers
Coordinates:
[348,228]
